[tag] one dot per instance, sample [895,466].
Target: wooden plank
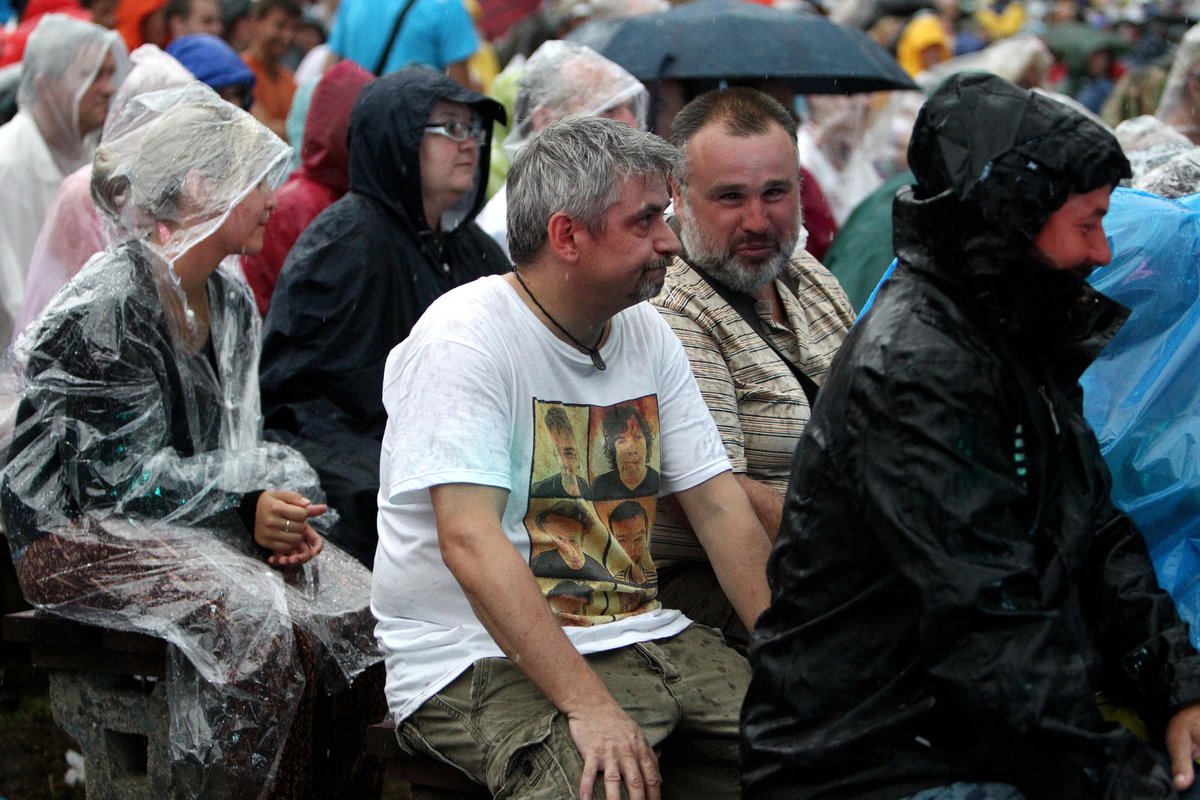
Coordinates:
[41,628]
[108,662]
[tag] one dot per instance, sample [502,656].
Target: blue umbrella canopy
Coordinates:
[735,40]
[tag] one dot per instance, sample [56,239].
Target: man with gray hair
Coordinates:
[563,78]
[759,319]
[484,672]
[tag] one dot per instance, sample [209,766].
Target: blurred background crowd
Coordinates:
[1119,60]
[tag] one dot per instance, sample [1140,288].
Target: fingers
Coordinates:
[289,497]
[316,542]
[317,509]
[1182,751]
[636,768]
[300,554]
[612,786]
[588,780]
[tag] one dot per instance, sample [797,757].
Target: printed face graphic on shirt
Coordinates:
[631,534]
[567,535]
[568,455]
[593,484]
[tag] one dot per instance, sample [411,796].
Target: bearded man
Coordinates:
[759,319]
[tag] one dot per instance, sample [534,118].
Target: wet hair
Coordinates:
[260,8]
[744,111]
[615,421]
[576,166]
[567,510]
[179,9]
[557,421]
[627,510]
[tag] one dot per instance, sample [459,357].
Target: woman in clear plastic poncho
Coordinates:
[138,494]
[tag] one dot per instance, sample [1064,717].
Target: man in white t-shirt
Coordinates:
[537,684]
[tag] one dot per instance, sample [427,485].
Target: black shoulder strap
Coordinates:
[391,40]
[744,305]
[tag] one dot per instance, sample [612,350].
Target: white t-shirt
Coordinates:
[482,392]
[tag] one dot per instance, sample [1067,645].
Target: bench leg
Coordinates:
[122,728]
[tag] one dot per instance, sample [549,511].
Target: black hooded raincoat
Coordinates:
[951,585]
[354,284]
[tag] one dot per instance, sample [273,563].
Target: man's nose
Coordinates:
[1101,253]
[666,242]
[754,218]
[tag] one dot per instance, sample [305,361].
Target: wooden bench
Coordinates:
[107,692]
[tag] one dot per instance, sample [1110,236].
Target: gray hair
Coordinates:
[577,166]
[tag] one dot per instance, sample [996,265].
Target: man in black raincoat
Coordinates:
[363,272]
[952,586]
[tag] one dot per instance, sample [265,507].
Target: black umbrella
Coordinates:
[734,40]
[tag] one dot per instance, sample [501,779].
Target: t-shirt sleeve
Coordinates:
[459,40]
[692,451]
[449,419]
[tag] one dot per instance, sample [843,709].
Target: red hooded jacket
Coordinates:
[323,177]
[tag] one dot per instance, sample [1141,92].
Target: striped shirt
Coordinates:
[755,399]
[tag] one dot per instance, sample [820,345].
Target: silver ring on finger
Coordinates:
[287,526]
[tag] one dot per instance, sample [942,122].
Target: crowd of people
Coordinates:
[534,408]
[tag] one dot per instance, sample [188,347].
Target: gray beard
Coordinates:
[728,268]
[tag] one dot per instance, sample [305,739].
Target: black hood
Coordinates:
[385,138]
[1007,158]
[992,163]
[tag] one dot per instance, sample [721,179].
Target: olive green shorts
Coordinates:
[685,692]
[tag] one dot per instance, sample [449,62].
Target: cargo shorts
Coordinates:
[685,692]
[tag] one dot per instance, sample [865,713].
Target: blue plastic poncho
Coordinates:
[1142,395]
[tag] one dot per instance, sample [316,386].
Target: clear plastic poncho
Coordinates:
[62,59]
[74,231]
[1179,105]
[563,78]
[1141,395]
[1163,160]
[137,440]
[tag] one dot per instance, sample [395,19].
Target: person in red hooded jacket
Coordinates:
[323,177]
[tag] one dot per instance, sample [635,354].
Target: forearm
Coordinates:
[766,502]
[734,540]
[506,599]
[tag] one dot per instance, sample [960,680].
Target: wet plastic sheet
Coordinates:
[563,78]
[1142,396]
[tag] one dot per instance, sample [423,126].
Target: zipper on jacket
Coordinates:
[1050,407]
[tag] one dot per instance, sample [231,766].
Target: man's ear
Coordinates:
[562,234]
[676,191]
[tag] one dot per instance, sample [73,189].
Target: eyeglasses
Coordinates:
[459,132]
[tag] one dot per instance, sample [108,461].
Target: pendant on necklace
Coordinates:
[597,361]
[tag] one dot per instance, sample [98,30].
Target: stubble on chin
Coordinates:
[651,284]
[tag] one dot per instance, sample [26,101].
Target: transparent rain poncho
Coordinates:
[74,231]
[563,78]
[137,441]
[62,59]
[1179,106]
[1163,160]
